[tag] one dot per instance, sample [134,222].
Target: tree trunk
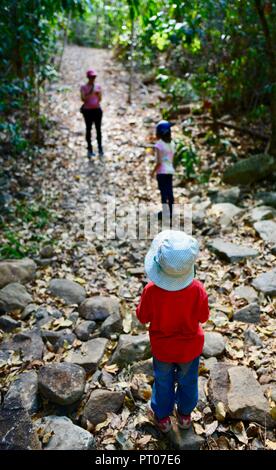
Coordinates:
[129,100]
[270,51]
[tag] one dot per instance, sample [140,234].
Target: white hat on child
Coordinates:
[170,260]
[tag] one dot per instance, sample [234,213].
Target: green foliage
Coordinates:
[187,157]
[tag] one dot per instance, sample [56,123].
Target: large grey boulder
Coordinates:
[225,195]
[266,282]
[14,297]
[102,402]
[17,431]
[266,230]
[249,170]
[268,198]
[99,308]
[64,434]
[131,348]
[89,354]
[71,292]
[61,383]
[214,344]
[23,392]
[261,213]
[246,400]
[248,314]
[16,270]
[230,251]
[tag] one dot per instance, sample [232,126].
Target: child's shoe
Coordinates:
[90,154]
[164,425]
[184,421]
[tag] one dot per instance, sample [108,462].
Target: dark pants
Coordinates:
[90,116]
[166,190]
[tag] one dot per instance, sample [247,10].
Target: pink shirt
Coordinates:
[93,101]
[166,151]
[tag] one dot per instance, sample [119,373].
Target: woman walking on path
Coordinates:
[91,95]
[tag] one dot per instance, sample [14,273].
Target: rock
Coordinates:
[111,325]
[143,367]
[47,252]
[261,213]
[266,230]
[218,384]
[249,170]
[29,310]
[202,398]
[266,282]
[109,262]
[65,434]
[99,308]
[23,393]
[184,439]
[227,211]
[106,379]
[102,402]
[245,397]
[44,316]
[5,356]
[247,293]
[17,431]
[230,251]
[28,343]
[227,195]
[58,338]
[131,349]
[248,314]
[250,336]
[84,329]
[214,344]
[210,362]
[71,292]
[268,198]
[8,324]
[61,383]
[19,270]
[14,297]
[89,354]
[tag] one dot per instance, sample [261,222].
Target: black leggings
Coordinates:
[90,116]
[166,189]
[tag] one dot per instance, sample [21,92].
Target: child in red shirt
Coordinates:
[174,303]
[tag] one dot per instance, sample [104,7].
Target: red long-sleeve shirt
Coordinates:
[175,331]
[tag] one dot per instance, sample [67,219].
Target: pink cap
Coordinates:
[91,73]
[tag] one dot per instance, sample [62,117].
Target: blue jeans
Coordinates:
[164,393]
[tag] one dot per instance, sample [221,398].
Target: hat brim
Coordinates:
[159,277]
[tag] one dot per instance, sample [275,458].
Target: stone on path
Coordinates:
[251,337]
[245,397]
[17,431]
[266,230]
[266,282]
[202,398]
[14,297]
[8,323]
[143,367]
[227,212]
[28,343]
[22,270]
[230,251]
[89,354]
[261,213]
[23,393]
[102,402]
[99,308]
[58,339]
[71,292]
[47,252]
[131,348]
[112,324]
[247,293]
[214,344]
[181,439]
[84,329]
[248,314]
[64,434]
[226,195]
[218,383]
[61,383]
[268,198]
[249,170]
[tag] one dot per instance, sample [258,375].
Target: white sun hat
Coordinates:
[170,260]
